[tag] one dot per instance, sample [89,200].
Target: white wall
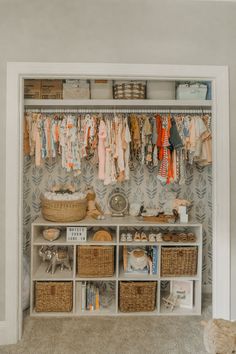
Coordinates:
[131,31]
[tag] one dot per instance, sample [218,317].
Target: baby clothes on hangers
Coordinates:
[165,173]
[175,139]
[26,136]
[101,149]
[205,143]
[120,152]
[148,148]
[108,154]
[126,147]
[168,142]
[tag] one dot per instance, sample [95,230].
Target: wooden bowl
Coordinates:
[102,235]
[51,234]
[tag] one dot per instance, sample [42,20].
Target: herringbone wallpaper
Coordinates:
[142,186]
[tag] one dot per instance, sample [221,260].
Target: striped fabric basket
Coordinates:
[129,90]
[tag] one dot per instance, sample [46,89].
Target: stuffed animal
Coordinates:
[219,336]
[93,209]
[170,202]
[180,202]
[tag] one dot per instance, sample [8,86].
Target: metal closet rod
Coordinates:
[117,110]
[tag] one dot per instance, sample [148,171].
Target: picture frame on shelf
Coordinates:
[76,234]
[183,289]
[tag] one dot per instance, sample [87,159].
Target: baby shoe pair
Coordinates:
[155,237]
[140,237]
[126,237]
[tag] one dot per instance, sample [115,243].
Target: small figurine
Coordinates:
[137,259]
[56,256]
[93,209]
[170,301]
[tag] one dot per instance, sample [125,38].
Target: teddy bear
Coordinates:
[93,209]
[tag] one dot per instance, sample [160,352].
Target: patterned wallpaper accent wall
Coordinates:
[142,186]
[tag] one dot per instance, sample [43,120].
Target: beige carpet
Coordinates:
[129,335]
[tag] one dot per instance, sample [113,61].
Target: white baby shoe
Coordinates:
[129,237]
[159,237]
[151,238]
[123,237]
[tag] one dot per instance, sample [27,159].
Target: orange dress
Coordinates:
[165,173]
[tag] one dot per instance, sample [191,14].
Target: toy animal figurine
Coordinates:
[55,256]
[170,301]
[219,336]
[138,259]
[93,209]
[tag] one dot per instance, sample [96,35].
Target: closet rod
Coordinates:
[82,110]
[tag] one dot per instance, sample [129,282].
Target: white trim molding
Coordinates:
[10,331]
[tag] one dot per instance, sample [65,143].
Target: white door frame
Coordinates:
[10,329]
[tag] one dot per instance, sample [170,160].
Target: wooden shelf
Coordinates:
[61,241]
[51,314]
[108,104]
[180,311]
[41,274]
[179,278]
[135,276]
[126,221]
[113,278]
[111,310]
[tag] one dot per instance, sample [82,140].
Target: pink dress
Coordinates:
[101,150]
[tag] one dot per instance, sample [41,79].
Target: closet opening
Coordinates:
[150,143]
[154,178]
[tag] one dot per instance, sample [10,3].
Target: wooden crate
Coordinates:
[32,89]
[52,89]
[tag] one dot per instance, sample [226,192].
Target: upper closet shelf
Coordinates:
[41,103]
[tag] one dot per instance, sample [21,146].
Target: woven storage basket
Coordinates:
[178,261]
[53,296]
[95,261]
[137,296]
[63,211]
[129,90]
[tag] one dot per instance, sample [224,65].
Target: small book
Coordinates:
[154,260]
[83,296]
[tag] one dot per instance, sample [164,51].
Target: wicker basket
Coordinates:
[178,261]
[53,296]
[95,261]
[63,211]
[130,90]
[137,296]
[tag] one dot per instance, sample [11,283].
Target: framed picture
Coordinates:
[183,289]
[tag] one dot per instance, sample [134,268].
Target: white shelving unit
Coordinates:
[116,225]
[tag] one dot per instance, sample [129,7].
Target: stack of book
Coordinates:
[95,295]
[90,298]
